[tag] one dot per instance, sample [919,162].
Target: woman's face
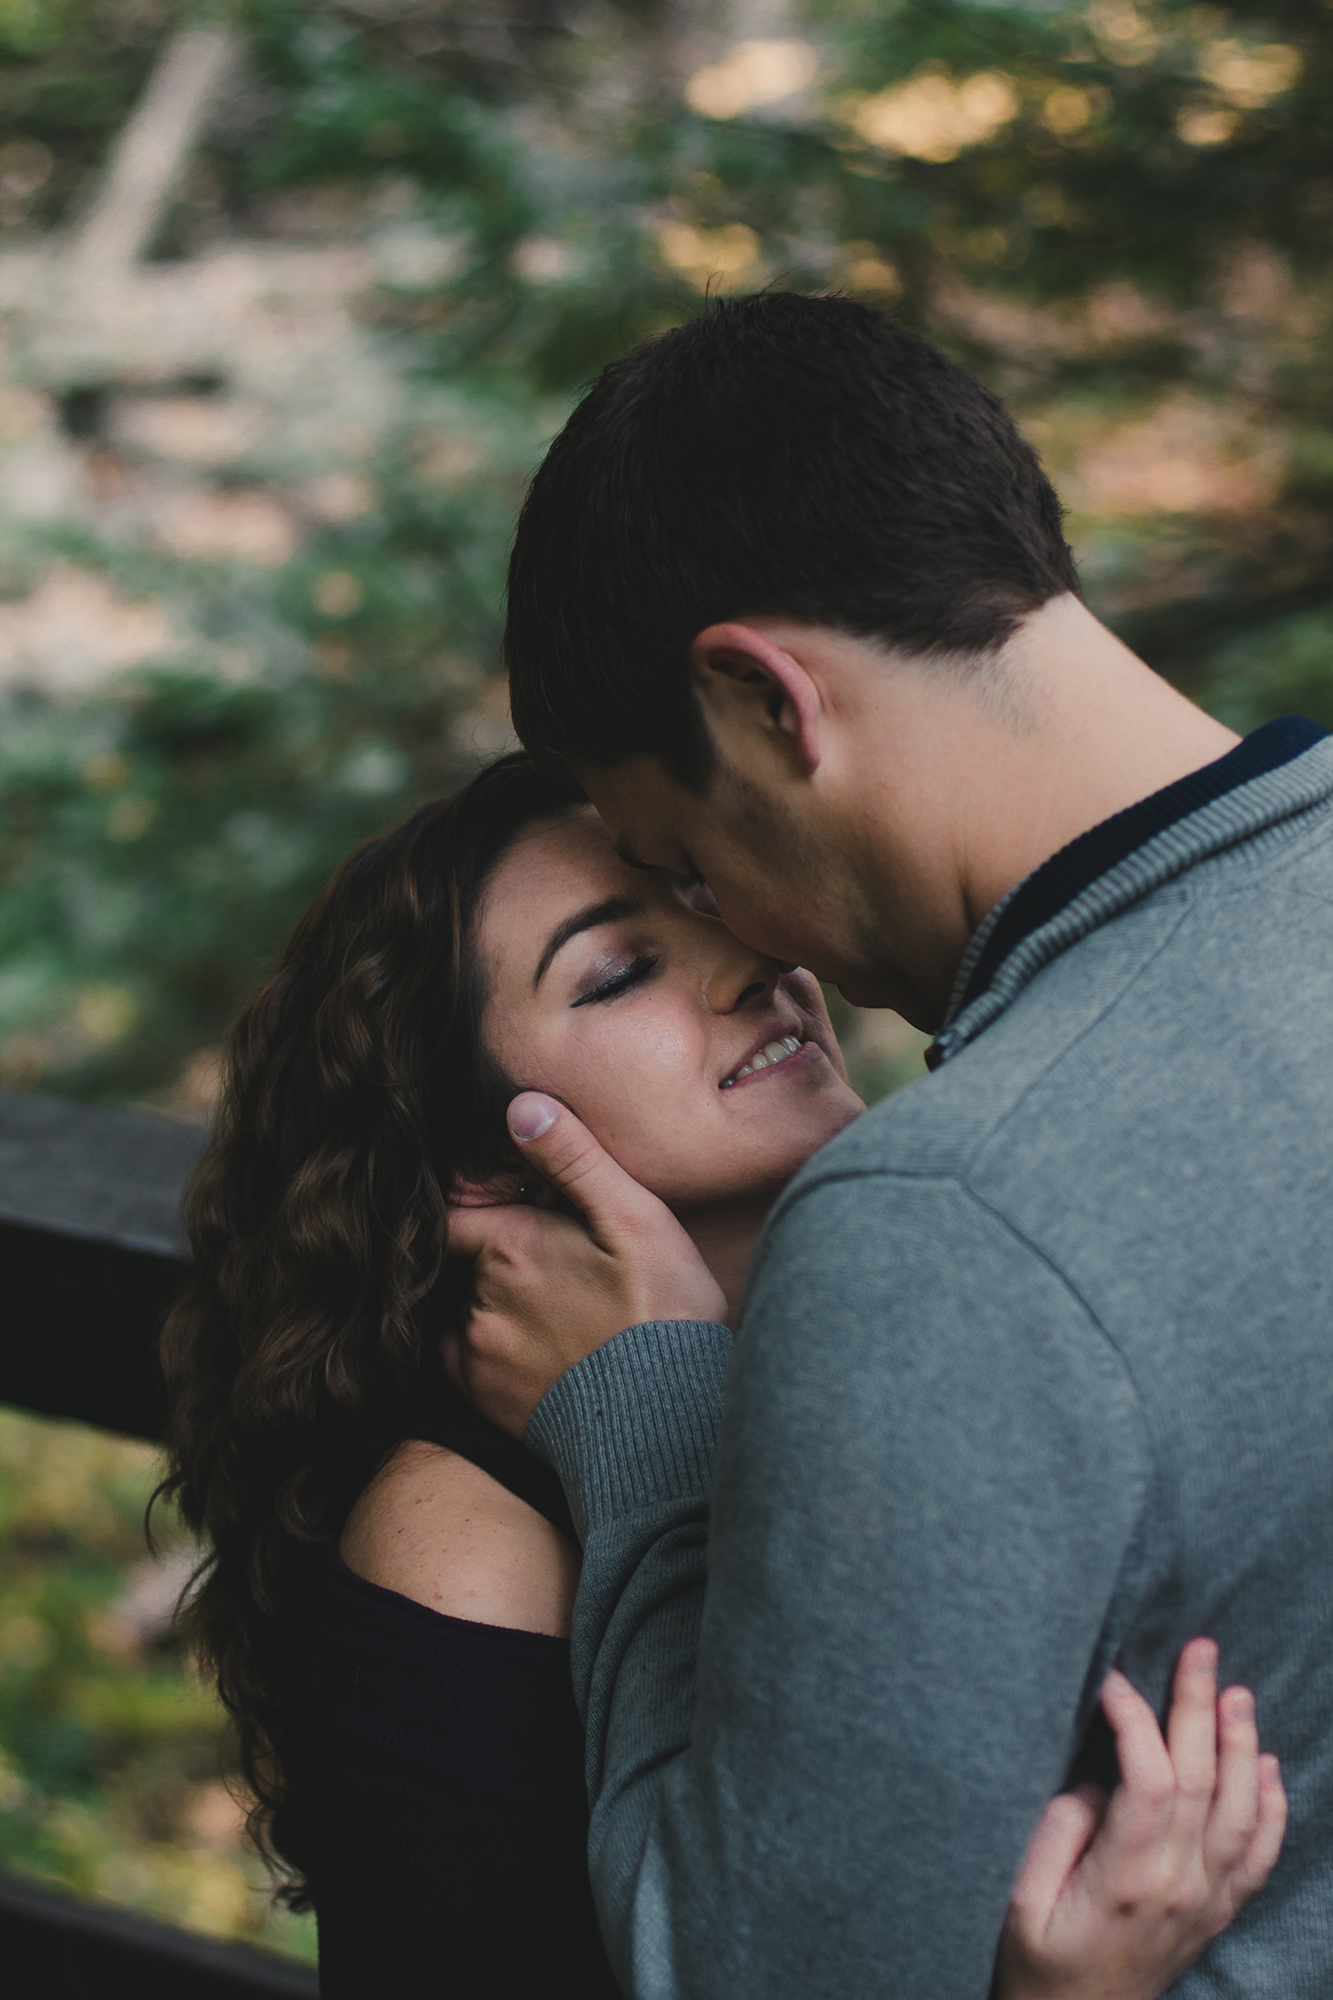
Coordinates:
[611,990]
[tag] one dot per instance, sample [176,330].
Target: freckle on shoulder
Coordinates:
[481,1554]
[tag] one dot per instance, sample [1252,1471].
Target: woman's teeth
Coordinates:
[772,1052]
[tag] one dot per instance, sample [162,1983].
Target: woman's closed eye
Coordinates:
[620,981]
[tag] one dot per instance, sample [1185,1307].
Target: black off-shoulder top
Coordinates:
[437,1804]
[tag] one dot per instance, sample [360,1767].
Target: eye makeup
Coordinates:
[619,982]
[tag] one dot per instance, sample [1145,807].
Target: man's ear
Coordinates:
[749,686]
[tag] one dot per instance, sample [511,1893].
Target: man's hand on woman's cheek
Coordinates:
[551,1288]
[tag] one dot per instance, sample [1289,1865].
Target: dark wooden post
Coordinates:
[90,1256]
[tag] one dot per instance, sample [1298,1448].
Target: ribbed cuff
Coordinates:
[636,1422]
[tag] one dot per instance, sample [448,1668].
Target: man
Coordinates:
[1034,1369]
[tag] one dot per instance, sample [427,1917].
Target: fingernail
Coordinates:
[530,1115]
[1240,1703]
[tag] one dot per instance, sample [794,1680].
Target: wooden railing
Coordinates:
[89,1257]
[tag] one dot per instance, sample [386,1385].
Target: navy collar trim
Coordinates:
[1074,868]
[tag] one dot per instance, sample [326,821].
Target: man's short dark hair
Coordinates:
[805,457]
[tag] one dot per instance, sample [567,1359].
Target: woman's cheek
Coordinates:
[638,1088]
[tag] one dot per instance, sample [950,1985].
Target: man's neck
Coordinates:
[1094,731]
[994,770]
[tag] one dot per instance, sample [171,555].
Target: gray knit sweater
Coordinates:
[1035,1374]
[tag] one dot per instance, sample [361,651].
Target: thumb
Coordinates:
[565,1153]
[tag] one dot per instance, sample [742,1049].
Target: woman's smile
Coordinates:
[767,1056]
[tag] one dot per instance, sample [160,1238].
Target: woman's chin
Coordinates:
[762,1174]
[843,1110]
[704,1162]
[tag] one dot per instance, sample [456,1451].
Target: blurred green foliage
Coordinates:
[111,1759]
[1117,213]
[160,841]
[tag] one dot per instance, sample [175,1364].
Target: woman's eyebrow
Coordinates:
[610,911]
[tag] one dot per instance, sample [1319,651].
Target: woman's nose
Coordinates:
[740,977]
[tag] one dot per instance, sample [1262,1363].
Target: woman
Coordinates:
[388,1596]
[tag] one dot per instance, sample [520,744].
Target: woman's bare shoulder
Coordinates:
[437,1529]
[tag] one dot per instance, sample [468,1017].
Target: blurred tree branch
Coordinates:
[145,163]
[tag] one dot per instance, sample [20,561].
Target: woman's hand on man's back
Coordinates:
[1117,1898]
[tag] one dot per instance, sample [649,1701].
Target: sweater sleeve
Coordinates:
[817,1770]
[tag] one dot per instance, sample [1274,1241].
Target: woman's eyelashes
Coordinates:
[619,982]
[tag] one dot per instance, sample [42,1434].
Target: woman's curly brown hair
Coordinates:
[356,1086]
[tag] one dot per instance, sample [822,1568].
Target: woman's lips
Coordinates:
[789,1050]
